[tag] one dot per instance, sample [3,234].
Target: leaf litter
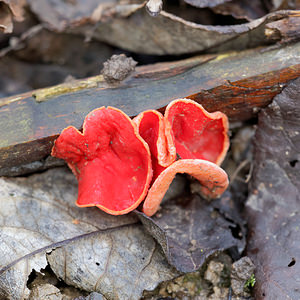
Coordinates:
[126,24]
[38,215]
[97,252]
[274,202]
[191,229]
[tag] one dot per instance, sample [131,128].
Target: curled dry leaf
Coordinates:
[39,45]
[170,34]
[274,204]
[135,30]
[38,214]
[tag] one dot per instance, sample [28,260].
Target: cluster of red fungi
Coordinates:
[120,162]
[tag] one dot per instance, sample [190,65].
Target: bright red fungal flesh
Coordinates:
[151,127]
[198,134]
[110,160]
[150,123]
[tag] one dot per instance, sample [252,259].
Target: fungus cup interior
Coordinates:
[110,160]
[198,134]
[151,126]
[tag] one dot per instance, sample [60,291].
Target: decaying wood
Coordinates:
[237,84]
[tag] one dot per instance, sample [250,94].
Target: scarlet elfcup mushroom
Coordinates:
[201,142]
[186,129]
[213,179]
[151,127]
[197,133]
[110,160]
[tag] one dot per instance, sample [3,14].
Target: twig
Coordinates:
[239,168]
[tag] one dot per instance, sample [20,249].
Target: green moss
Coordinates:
[249,284]
[64,88]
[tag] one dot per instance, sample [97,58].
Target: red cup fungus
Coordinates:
[213,179]
[114,157]
[110,160]
[197,137]
[151,127]
[198,133]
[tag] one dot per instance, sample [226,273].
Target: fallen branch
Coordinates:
[238,84]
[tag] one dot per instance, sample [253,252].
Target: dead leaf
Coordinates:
[10,10]
[190,231]
[37,216]
[6,22]
[242,9]
[205,3]
[274,204]
[45,291]
[120,264]
[283,4]
[92,296]
[17,8]
[129,26]
[68,50]
[59,14]
[39,45]
[170,34]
